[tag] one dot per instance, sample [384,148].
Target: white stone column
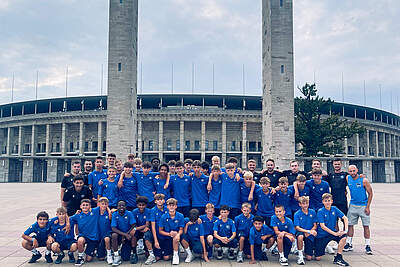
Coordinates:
[33,140]
[9,149]
[244,145]
[161,140]
[48,146]
[182,140]
[203,141]
[367,152]
[357,152]
[20,139]
[223,158]
[63,139]
[390,145]
[346,148]
[27,171]
[389,171]
[81,138]
[384,144]
[367,169]
[100,138]
[140,138]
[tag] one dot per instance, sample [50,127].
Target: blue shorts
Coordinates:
[41,242]
[194,244]
[309,243]
[321,243]
[139,235]
[231,244]
[166,246]
[259,255]
[66,244]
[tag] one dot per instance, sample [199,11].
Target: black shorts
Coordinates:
[166,245]
[41,242]
[195,245]
[66,244]
[231,244]
[321,243]
[258,253]
[139,235]
[309,243]
[91,246]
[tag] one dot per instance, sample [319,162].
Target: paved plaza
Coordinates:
[19,204]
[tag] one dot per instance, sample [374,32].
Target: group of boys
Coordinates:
[175,205]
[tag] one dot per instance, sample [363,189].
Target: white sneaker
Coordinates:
[239,257]
[189,258]
[181,249]
[175,259]
[116,261]
[140,247]
[335,246]
[283,261]
[109,259]
[329,250]
[300,261]
[150,260]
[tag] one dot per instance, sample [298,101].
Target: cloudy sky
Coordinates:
[359,38]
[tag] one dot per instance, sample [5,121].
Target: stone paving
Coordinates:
[19,204]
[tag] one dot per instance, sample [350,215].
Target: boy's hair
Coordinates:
[103,199]
[215,168]
[229,166]
[273,161]
[99,157]
[336,159]
[279,206]
[131,156]
[293,161]
[159,196]
[193,215]
[112,155]
[225,207]
[147,165]
[326,195]
[209,206]
[179,164]
[112,168]
[197,163]
[304,199]
[121,201]
[85,200]
[42,214]
[61,210]
[79,177]
[258,219]
[172,201]
[316,171]
[164,165]
[252,160]
[118,160]
[171,163]
[301,178]
[316,160]
[232,160]
[153,159]
[188,161]
[142,199]
[205,165]
[128,165]
[246,205]
[137,161]
[215,158]
[247,174]
[265,180]
[283,179]
[76,162]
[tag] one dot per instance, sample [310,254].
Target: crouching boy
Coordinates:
[243,223]
[225,233]
[193,238]
[260,234]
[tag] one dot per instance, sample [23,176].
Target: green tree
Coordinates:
[318,133]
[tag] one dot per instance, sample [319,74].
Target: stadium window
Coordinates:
[151,147]
[119,66]
[280,3]
[215,145]
[206,145]
[259,146]
[57,147]
[94,145]
[178,145]
[120,1]
[38,147]
[104,145]
[71,146]
[282,69]
[27,148]
[233,146]
[187,145]
[252,146]
[169,145]
[196,145]
[86,146]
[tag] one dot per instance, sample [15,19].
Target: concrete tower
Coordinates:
[278,76]
[122,77]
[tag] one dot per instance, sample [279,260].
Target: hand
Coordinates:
[67,228]
[240,170]
[173,233]
[250,198]
[367,210]
[146,229]
[253,262]
[35,243]
[313,232]
[205,257]
[100,182]
[165,186]
[273,191]
[281,235]
[51,239]
[157,245]
[291,237]
[237,177]
[199,221]
[78,212]
[209,187]
[67,174]
[340,233]
[189,223]
[225,240]
[128,236]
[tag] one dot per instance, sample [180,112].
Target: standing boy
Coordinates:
[283,196]
[265,201]
[199,188]
[104,248]
[127,185]
[214,188]
[181,187]
[109,188]
[145,183]
[230,190]
[97,175]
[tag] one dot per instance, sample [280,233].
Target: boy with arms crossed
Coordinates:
[109,188]
[97,175]
[127,185]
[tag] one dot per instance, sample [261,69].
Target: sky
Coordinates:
[358,40]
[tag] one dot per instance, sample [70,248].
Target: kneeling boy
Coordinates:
[260,234]
[225,233]
[243,223]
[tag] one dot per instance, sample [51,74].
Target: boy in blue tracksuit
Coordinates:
[145,182]
[260,234]
[225,233]
[247,189]
[161,182]
[193,237]
[302,190]
[97,175]
[305,223]
[230,190]
[243,223]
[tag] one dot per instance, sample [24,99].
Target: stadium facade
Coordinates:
[39,139]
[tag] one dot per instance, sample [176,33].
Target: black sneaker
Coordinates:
[264,256]
[368,250]
[48,258]
[60,257]
[219,254]
[35,257]
[134,258]
[71,257]
[348,247]
[80,261]
[231,254]
[338,259]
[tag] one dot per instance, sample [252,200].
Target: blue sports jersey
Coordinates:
[208,224]
[230,192]
[358,193]
[109,189]
[265,203]
[172,224]
[195,230]
[145,184]
[129,191]
[286,226]
[255,236]
[41,233]
[316,192]
[199,191]
[104,225]
[88,223]
[305,221]
[141,217]
[329,218]
[159,186]
[56,230]
[123,222]
[294,203]
[243,224]
[93,179]
[245,192]
[284,199]
[214,196]
[156,214]
[181,188]
[225,229]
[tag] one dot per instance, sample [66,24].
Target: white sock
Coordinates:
[240,253]
[34,251]
[281,254]
[47,252]
[188,251]
[349,240]
[80,254]
[116,253]
[368,242]
[300,254]
[109,252]
[151,253]
[176,253]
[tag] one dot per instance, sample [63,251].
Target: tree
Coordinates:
[317,132]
